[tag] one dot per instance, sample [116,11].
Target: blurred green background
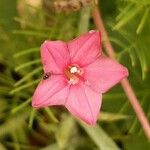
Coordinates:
[24,25]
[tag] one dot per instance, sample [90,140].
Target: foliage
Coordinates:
[23,27]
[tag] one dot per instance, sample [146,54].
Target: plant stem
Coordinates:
[125,83]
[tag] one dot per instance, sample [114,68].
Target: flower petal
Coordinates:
[84,103]
[55,56]
[86,48]
[52,91]
[104,73]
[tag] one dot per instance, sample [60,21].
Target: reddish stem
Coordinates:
[125,83]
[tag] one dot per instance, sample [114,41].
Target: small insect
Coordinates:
[46,75]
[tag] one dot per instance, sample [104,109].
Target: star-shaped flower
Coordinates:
[76,76]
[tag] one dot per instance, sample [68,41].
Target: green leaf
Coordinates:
[23,66]
[31,33]
[17,89]
[110,117]
[32,116]
[131,14]
[21,106]
[64,132]
[124,11]
[100,137]
[26,51]
[143,21]
[51,115]
[29,75]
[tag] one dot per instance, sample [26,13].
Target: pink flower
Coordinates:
[76,75]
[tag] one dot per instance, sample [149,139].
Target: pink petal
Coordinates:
[85,49]
[55,56]
[84,103]
[104,73]
[52,91]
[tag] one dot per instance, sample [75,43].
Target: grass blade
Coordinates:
[26,51]
[28,76]
[22,66]
[100,137]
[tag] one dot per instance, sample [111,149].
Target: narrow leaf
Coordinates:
[130,15]
[20,107]
[26,51]
[51,115]
[35,71]
[143,20]
[100,137]
[110,117]
[64,132]
[32,33]
[31,119]
[17,89]
[22,66]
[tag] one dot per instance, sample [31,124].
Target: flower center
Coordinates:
[74,69]
[73,74]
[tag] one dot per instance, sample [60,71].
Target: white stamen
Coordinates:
[74,69]
[73,81]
